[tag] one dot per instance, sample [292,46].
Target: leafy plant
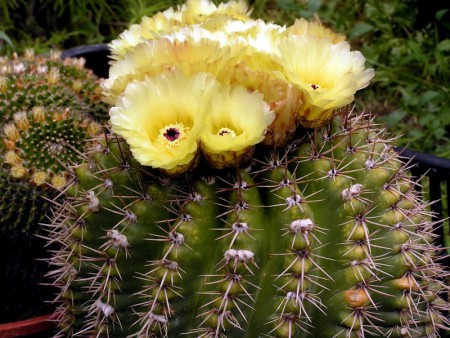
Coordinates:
[411,59]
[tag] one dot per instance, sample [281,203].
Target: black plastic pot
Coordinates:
[97,57]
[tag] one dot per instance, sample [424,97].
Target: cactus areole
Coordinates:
[210,211]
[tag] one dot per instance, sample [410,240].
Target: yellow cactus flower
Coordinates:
[171,20]
[11,132]
[18,171]
[237,121]
[53,76]
[58,181]
[283,98]
[257,34]
[11,157]
[3,84]
[21,120]
[38,113]
[157,56]
[304,27]
[197,11]
[328,74]
[39,177]
[161,118]
[148,29]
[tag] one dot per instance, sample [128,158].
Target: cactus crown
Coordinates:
[30,80]
[58,135]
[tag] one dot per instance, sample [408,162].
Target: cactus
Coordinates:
[36,80]
[20,213]
[44,125]
[58,134]
[326,237]
[208,211]
[29,179]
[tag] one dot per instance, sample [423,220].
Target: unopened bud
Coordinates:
[21,120]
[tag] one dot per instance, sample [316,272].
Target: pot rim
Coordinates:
[27,326]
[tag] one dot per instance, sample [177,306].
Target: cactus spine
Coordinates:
[326,237]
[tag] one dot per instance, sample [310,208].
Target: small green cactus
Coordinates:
[59,135]
[21,211]
[44,106]
[35,80]
[326,237]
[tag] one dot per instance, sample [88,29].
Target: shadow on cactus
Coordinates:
[44,126]
[236,196]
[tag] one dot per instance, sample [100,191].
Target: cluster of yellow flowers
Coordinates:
[209,79]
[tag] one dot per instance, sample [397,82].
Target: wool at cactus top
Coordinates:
[326,237]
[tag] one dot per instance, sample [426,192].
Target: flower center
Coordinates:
[314,86]
[172,134]
[226,132]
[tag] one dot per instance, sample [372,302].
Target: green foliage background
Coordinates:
[404,40]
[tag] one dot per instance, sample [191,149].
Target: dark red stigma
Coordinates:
[172,134]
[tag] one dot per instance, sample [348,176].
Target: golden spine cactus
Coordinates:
[56,133]
[45,105]
[36,80]
[326,237]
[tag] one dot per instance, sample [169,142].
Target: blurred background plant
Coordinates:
[404,40]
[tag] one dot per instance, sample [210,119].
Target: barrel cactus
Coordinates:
[237,196]
[31,80]
[44,124]
[327,238]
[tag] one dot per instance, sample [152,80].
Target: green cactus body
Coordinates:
[20,213]
[44,106]
[324,238]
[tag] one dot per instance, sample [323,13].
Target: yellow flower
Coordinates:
[38,113]
[11,157]
[11,132]
[157,56]
[58,181]
[304,27]
[39,177]
[237,121]
[328,74]
[257,34]
[3,84]
[283,98]
[21,120]
[197,11]
[171,20]
[161,118]
[18,171]
[149,28]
